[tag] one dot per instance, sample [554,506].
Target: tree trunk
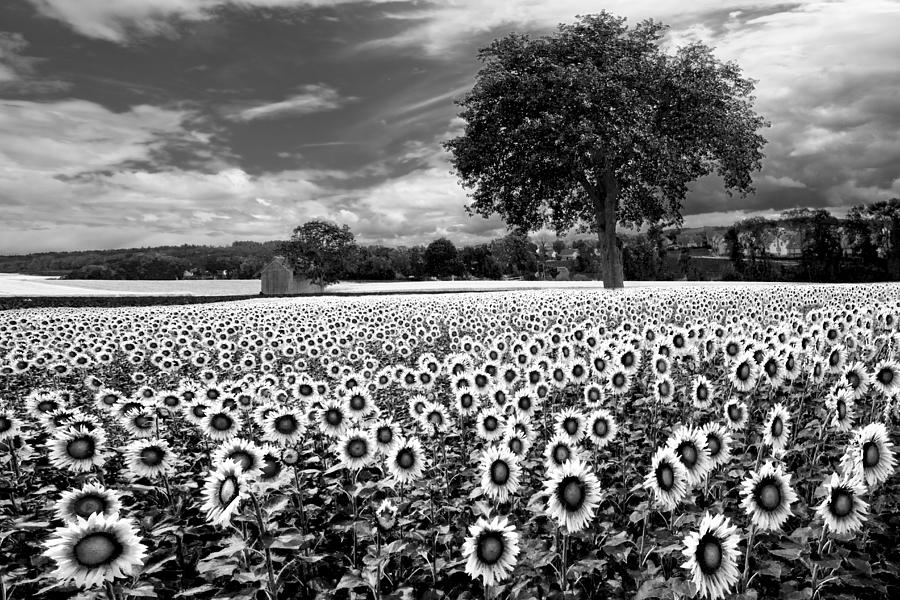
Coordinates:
[610,253]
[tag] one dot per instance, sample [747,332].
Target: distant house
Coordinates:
[569,255]
[278,279]
[784,243]
[717,244]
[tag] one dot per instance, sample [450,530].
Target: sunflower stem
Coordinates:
[563,557]
[165,479]
[110,591]
[270,571]
[746,574]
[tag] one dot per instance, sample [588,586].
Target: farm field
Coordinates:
[660,442]
[32,285]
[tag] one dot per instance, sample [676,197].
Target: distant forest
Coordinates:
[802,245]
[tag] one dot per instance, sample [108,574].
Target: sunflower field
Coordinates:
[651,443]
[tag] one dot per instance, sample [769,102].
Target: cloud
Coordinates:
[312,99]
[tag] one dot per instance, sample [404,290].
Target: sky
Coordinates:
[134,123]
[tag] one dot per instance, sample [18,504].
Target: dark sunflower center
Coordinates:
[561,454]
[384,434]
[885,376]
[871,455]
[81,448]
[97,549]
[732,349]
[735,413]
[152,456]
[199,410]
[221,422]
[271,467]
[618,380]
[499,472]
[333,417]
[702,393]
[406,458]
[771,368]
[515,444]
[841,409]
[600,427]
[490,547]
[491,423]
[357,402]
[743,372]
[709,554]
[688,452]
[466,400]
[5,424]
[853,380]
[171,400]
[665,477]
[777,427]
[357,448]
[768,495]
[841,502]
[834,358]
[714,444]
[47,406]
[600,364]
[790,363]
[88,505]
[110,399]
[286,424]
[481,380]
[594,395]
[524,403]
[578,371]
[664,388]
[571,492]
[570,425]
[305,389]
[143,422]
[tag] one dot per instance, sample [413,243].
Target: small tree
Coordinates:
[596,125]
[318,250]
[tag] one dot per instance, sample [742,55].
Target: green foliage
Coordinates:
[442,259]
[320,251]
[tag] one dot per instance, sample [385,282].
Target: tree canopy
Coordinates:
[596,124]
[319,250]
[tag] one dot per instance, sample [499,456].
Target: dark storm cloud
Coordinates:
[171,121]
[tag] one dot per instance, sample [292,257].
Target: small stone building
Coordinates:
[278,279]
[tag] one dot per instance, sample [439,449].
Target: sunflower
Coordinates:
[619,381]
[572,424]
[842,508]
[95,550]
[434,418]
[91,498]
[332,418]
[558,451]
[743,373]
[857,379]
[10,425]
[718,441]
[417,405]
[712,556]
[407,462]
[602,427]
[359,403]
[840,404]
[246,453]
[593,395]
[221,423]
[736,414]
[149,458]
[668,479]
[777,428]
[525,402]
[767,497]
[773,369]
[664,390]
[689,444]
[283,426]
[226,487]
[272,474]
[886,378]
[356,448]
[702,392]
[77,449]
[836,358]
[870,455]
[517,442]
[491,550]
[195,410]
[489,424]
[386,434]
[500,472]
[466,402]
[574,494]
[139,422]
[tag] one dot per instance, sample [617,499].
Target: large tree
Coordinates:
[596,124]
[442,259]
[320,251]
